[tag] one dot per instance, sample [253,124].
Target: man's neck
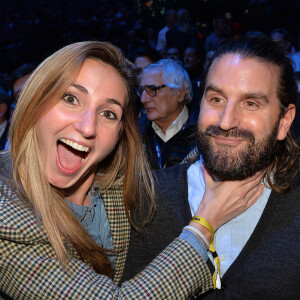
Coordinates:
[165,123]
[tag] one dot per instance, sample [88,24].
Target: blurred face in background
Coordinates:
[173,53]
[17,88]
[190,60]
[165,107]
[142,62]
[18,85]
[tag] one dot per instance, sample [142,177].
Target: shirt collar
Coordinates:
[80,210]
[174,128]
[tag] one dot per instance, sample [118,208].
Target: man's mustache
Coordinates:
[236,133]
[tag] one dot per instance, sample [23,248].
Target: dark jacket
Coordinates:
[3,138]
[175,149]
[268,266]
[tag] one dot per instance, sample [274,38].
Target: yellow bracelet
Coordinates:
[205,224]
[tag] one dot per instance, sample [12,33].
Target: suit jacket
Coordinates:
[268,266]
[29,268]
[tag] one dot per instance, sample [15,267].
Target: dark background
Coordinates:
[32,30]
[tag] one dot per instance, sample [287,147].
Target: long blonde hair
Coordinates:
[48,83]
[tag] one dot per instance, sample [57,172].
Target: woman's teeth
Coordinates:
[75,145]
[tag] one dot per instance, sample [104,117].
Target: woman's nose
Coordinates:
[86,123]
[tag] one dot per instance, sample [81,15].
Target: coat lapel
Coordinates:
[119,226]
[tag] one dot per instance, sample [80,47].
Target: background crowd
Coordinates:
[146,31]
[31,30]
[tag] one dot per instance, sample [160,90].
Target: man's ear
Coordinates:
[3,109]
[286,122]
[181,92]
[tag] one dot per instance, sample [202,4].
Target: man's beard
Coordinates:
[227,164]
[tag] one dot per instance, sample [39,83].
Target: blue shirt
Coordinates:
[231,237]
[94,219]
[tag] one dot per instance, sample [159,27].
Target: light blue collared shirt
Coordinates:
[94,219]
[231,237]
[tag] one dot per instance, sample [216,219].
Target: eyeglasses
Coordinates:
[150,89]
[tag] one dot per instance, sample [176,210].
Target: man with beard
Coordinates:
[247,108]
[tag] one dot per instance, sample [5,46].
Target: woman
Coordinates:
[74,142]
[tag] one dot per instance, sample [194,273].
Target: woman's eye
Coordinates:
[108,114]
[70,99]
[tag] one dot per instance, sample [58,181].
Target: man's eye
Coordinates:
[216,100]
[108,114]
[252,105]
[70,99]
[152,88]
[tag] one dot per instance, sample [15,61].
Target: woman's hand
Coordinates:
[222,201]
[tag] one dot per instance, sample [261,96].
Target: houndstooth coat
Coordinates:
[29,268]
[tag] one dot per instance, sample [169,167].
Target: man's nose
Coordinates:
[144,97]
[229,117]
[86,123]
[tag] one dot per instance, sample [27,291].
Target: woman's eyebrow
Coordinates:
[80,87]
[114,101]
[85,91]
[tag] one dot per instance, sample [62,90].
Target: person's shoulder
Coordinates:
[6,190]
[295,182]
[211,36]
[18,222]
[293,192]
[144,124]
[5,164]
[163,30]
[193,116]
[174,173]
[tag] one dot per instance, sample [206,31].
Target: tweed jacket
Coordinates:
[29,268]
[119,225]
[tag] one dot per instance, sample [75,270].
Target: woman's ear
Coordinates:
[286,122]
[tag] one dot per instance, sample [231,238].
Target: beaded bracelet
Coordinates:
[198,232]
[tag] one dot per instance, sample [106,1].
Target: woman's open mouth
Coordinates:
[70,156]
